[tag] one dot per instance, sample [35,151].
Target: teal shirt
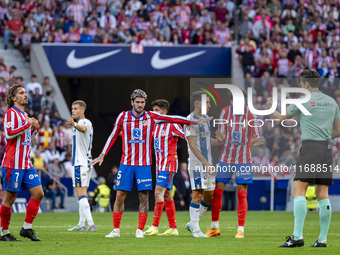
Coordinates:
[319,125]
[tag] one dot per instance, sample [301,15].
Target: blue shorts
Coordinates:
[165,179]
[15,180]
[127,174]
[243,173]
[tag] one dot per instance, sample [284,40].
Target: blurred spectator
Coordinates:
[54,190]
[67,165]
[60,138]
[36,99]
[13,30]
[102,195]
[30,87]
[47,87]
[182,186]
[46,134]
[55,168]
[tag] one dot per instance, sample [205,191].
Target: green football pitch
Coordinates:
[264,231]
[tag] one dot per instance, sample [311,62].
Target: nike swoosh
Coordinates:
[73,62]
[158,63]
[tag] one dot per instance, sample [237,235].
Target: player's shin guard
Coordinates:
[325,214]
[32,210]
[142,220]
[300,211]
[157,214]
[216,207]
[117,217]
[242,207]
[170,210]
[5,215]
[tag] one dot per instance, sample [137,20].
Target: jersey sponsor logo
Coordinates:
[236,136]
[139,181]
[136,133]
[157,143]
[8,124]
[159,150]
[28,136]
[161,177]
[158,63]
[31,176]
[73,62]
[136,141]
[26,143]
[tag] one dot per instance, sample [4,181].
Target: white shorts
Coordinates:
[201,180]
[81,176]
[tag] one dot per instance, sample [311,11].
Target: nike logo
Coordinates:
[147,185]
[73,62]
[77,178]
[246,179]
[158,63]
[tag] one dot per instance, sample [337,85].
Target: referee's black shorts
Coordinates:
[315,163]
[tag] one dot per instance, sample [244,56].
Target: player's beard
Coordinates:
[138,109]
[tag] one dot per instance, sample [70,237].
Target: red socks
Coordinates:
[32,210]
[117,217]
[142,220]
[170,213]
[157,214]
[5,215]
[216,204]
[242,207]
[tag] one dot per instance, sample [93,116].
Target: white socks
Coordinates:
[215,224]
[194,216]
[240,228]
[203,208]
[84,212]
[4,232]
[27,225]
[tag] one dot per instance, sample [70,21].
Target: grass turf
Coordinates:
[264,231]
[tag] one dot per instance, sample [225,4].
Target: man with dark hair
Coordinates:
[17,169]
[315,161]
[165,138]
[136,128]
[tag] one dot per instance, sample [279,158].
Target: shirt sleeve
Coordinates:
[160,118]
[10,131]
[117,127]
[255,128]
[190,131]
[293,110]
[177,130]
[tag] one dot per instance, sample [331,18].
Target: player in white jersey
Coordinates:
[201,170]
[81,156]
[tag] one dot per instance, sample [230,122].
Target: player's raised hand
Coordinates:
[35,123]
[219,136]
[99,160]
[269,102]
[70,121]
[203,120]
[257,141]
[210,169]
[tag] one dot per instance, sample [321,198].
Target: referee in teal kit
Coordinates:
[315,160]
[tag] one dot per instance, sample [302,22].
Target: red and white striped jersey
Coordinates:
[18,133]
[76,10]
[61,139]
[165,137]
[137,135]
[239,131]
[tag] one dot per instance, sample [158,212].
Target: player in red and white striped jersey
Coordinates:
[136,127]
[17,170]
[165,138]
[239,134]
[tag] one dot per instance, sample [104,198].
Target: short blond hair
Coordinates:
[81,103]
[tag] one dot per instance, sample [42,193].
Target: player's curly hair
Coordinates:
[138,93]
[312,77]
[12,91]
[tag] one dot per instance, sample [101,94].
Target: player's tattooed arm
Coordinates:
[143,201]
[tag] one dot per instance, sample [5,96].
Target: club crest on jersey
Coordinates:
[118,182]
[236,136]
[145,122]
[15,185]
[136,133]
[8,124]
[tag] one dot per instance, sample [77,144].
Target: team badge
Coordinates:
[188,128]
[15,185]
[118,182]
[145,122]
[8,124]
